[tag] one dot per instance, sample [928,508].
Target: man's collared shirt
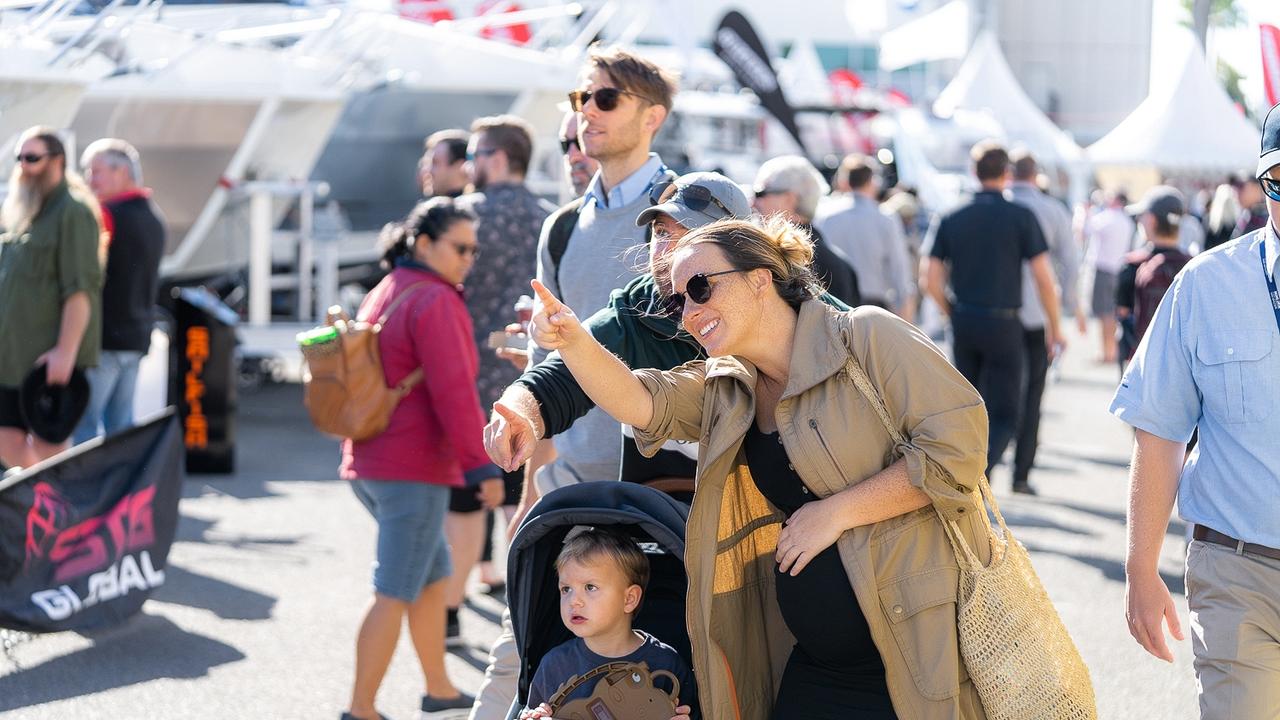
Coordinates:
[1055,222]
[874,244]
[53,259]
[1211,359]
[636,184]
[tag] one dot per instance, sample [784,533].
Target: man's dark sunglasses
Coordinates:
[698,289]
[480,152]
[30,158]
[606,98]
[570,142]
[1271,188]
[694,197]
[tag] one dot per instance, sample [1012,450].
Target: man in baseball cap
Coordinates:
[1210,360]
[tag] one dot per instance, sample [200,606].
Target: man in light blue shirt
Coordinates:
[1211,360]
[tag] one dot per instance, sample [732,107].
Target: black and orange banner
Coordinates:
[85,538]
[205,381]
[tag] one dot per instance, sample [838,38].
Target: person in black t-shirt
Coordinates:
[980,249]
[137,238]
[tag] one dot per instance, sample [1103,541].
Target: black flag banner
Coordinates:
[738,45]
[85,537]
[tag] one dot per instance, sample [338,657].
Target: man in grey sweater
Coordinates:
[1064,256]
[621,104]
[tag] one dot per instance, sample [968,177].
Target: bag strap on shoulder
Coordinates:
[578,681]
[964,553]
[404,295]
[562,227]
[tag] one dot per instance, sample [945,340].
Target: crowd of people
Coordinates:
[710,340]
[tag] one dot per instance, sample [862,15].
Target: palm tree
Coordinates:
[1205,14]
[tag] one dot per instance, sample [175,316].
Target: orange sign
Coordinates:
[196,427]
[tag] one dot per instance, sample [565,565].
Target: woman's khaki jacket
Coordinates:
[902,570]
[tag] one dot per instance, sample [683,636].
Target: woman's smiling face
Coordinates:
[720,324]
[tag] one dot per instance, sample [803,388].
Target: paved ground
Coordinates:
[270,574]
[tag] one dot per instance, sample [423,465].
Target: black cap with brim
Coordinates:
[1269,157]
[52,411]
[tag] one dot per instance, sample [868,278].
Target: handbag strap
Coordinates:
[958,543]
[578,681]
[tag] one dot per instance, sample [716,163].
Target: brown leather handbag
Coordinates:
[344,386]
[624,691]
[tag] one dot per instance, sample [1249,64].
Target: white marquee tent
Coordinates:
[1188,125]
[985,83]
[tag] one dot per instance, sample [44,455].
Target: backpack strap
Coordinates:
[403,387]
[562,227]
[578,681]
[404,295]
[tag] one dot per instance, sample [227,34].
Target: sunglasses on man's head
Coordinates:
[697,289]
[30,158]
[765,192]
[1271,188]
[694,197]
[570,142]
[606,98]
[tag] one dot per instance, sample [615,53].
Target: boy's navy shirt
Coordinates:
[575,658]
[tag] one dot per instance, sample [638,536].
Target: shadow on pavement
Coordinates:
[1019,519]
[1111,569]
[148,647]
[1176,526]
[226,600]
[475,657]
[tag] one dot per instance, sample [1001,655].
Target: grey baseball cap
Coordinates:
[1161,200]
[1270,155]
[701,198]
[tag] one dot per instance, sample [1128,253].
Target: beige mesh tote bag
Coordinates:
[1022,662]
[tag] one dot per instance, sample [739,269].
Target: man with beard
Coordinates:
[584,253]
[442,170]
[508,221]
[129,292]
[579,168]
[50,284]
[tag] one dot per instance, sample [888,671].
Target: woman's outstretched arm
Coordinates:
[606,379]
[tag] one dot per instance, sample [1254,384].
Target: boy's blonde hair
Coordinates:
[616,546]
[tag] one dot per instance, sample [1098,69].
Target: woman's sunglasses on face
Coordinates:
[1271,188]
[30,158]
[694,197]
[465,250]
[606,98]
[697,289]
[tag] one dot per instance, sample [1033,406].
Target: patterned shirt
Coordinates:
[510,219]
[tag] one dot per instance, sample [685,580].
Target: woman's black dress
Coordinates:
[834,670]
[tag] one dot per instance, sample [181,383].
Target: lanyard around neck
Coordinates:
[1271,282]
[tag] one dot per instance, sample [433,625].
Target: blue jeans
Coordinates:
[111,386]
[412,552]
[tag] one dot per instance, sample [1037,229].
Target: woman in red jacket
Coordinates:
[433,443]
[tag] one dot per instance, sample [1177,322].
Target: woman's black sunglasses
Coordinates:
[694,197]
[698,289]
[606,98]
[1271,188]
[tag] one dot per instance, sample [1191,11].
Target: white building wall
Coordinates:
[1085,62]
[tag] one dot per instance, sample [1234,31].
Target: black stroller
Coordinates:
[656,521]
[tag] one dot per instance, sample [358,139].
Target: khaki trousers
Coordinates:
[1235,625]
